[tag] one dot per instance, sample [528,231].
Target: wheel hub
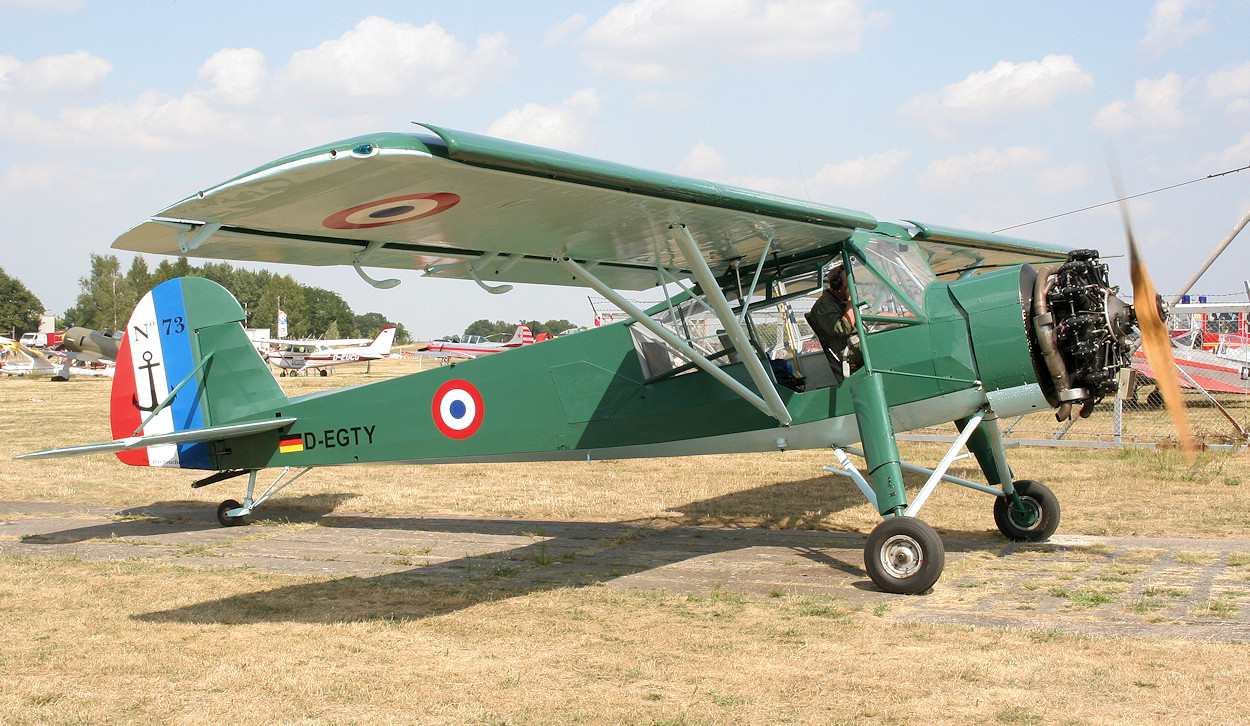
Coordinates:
[902,556]
[1028,516]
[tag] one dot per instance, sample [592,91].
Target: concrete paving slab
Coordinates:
[1100,586]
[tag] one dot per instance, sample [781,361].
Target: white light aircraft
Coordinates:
[475,346]
[295,356]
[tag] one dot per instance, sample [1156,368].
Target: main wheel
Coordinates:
[226,521]
[1037,521]
[904,556]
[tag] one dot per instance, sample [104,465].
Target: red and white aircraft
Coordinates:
[475,346]
[302,355]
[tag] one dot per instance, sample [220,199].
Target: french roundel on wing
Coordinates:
[457,409]
[395,210]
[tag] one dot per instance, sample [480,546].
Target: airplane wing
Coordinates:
[439,354]
[1214,374]
[461,205]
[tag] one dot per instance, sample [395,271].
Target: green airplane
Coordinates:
[951,325]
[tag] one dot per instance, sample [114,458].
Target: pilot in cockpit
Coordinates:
[832,318]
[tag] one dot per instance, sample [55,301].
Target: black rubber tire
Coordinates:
[324,373]
[904,556]
[229,521]
[1043,509]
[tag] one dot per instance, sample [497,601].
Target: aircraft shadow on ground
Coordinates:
[562,554]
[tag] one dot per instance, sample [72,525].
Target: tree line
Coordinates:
[500,330]
[107,296]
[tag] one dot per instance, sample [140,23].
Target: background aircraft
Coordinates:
[87,346]
[953,326]
[294,357]
[18,360]
[475,346]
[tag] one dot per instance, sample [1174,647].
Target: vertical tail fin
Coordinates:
[381,345]
[522,336]
[186,335]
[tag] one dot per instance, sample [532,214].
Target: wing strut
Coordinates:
[771,402]
[733,328]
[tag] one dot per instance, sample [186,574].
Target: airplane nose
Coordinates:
[1082,329]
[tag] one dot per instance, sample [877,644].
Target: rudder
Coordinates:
[186,329]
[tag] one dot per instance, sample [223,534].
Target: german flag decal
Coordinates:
[291,445]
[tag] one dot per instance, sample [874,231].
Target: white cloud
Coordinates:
[648,40]
[1167,29]
[66,180]
[957,173]
[54,74]
[703,161]
[1005,92]
[560,32]
[237,74]
[1235,156]
[385,59]
[1155,105]
[864,172]
[8,64]
[1064,179]
[47,6]
[669,101]
[564,126]
[1230,85]
[353,80]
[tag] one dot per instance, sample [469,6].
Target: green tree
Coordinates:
[325,307]
[169,270]
[103,300]
[19,308]
[137,282]
[370,324]
[282,291]
[488,329]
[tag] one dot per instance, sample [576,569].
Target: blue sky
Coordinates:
[981,115]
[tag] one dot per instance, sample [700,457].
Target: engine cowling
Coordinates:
[1082,331]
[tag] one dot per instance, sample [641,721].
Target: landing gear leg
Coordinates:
[232,514]
[903,554]
[1027,511]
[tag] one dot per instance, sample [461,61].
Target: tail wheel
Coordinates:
[1036,521]
[227,521]
[904,556]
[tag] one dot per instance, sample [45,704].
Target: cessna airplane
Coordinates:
[297,356]
[476,346]
[952,325]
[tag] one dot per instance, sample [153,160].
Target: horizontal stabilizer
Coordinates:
[212,433]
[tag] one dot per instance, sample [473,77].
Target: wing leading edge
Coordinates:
[467,206]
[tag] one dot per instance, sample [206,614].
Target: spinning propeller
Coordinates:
[1156,342]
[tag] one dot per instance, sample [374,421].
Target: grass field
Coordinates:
[134,642]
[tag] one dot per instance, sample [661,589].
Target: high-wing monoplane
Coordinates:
[952,325]
[298,356]
[475,346]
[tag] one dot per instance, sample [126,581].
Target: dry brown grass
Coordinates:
[133,642]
